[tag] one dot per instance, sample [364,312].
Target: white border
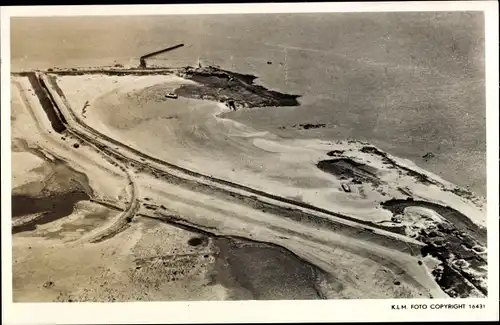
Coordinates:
[247,8]
[253,311]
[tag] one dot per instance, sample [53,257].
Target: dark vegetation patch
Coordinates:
[388,161]
[346,168]
[450,242]
[456,281]
[460,221]
[310,126]
[306,126]
[465,193]
[232,88]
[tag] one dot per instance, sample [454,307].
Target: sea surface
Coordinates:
[410,83]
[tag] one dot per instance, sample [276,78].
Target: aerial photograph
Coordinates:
[296,156]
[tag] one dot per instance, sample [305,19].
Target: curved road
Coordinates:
[107,145]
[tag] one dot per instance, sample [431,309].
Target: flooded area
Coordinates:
[46,192]
[52,208]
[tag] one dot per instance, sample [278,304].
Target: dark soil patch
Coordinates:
[310,126]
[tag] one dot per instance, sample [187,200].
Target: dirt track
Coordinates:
[137,158]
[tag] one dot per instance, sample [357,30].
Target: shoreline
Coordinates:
[356,148]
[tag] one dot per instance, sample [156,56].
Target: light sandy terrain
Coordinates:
[107,271]
[52,253]
[111,270]
[28,163]
[105,182]
[336,254]
[392,179]
[192,134]
[32,125]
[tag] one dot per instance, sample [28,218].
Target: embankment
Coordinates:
[57,120]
